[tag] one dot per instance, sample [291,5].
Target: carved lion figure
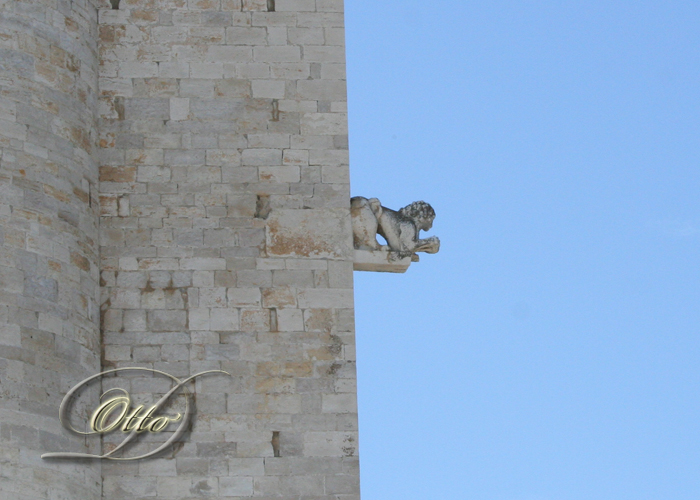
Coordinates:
[399,228]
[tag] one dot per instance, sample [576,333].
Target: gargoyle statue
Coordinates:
[400,229]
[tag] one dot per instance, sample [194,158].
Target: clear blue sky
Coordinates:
[551,350]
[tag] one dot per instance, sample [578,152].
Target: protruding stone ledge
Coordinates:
[383,261]
[401,230]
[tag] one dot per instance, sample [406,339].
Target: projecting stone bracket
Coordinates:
[383,261]
[400,229]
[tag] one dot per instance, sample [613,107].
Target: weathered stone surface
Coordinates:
[227,242]
[309,233]
[383,261]
[49,291]
[225,239]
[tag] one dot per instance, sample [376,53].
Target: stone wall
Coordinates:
[49,317]
[226,240]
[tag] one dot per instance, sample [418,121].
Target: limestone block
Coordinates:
[236,486]
[339,403]
[325,298]
[224,320]
[382,261]
[276,54]
[325,53]
[273,89]
[309,233]
[330,444]
[290,320]
[166,321]
[324,124]
[179,109]
[322,90]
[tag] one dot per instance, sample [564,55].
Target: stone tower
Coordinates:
[174,195]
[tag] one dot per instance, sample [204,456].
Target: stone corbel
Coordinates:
[400,229]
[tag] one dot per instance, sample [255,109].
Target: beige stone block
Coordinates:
[322,90]
[179,109]
[324,124]
[199,319]
[290,174]
[264,157]
[306,36]
[126,299]
[276,35]
[212,297]
[339,107]
[380,261]
[112,16]
[134,320]
[246,466]
[279,297]
[295,157]
[269,89]
[238,297]
[334,36]
[295,5]
[166,321]
[268,141]
[130,486]
[344,486]
[171,487]
[212,70]
[236,486]
[232,87]
[331,158]
[234,5]
[143,157]
[168,34]
[325,298]
[165,264]
[339,403]
[329,5]
[349,353]
[290,71]
[157,468]
[330,444]
[324,53]
[132,69]
[290,320]
[117,353]
[309,233]
[162,141]
[254,5]
[247,71]
[340,274]
[320,19]
[311,142]
[111,319]
[269,264]
[223,157]
[309,264]
[202,264]
[255,320]
[335,175]
[294,106]
[201,278]
[280,403]
[224,320]
[276,54]
[274,19]
[173,69]
[238,35]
